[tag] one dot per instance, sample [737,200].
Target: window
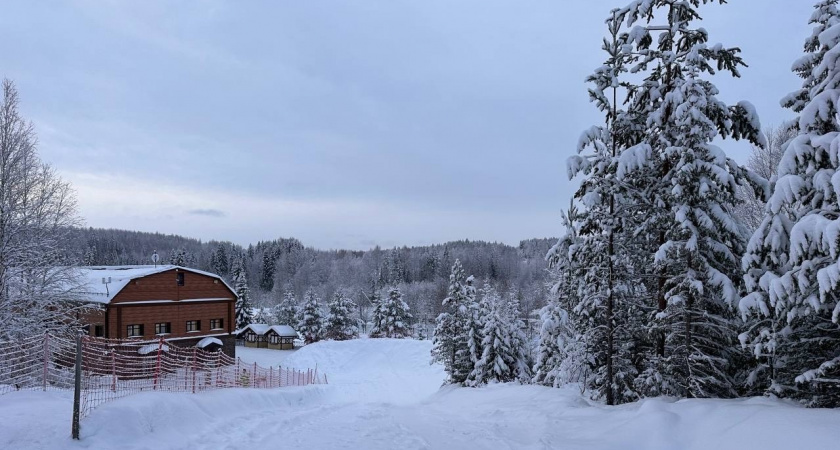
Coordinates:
[274,339]
[252,337]
[216,324]
[179,278]
[193,325]
[163,328]
[99,330]
[134,330]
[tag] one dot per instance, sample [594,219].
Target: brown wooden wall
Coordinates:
[120,316]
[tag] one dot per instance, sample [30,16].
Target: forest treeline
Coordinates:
[283,265]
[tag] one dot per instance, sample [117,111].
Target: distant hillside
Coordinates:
[286,264]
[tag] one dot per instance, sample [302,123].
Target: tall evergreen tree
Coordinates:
[392,318]
[608,288]
[449,344]
[262,315]
[691,193]
[340,324]
[220,261]
[311,323]
[791,265]
[562,349]
[478,311]
[503,356]
[243,307]
[179,258]
[287,310]
[269,267]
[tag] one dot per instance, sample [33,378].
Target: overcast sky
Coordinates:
[346,124]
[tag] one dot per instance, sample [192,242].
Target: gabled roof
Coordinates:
[94,290]
[283,330]
[261,329]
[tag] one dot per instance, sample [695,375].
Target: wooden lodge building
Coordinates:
[180,304]
[276,337]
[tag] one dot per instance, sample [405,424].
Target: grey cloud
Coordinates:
[207,212]
[436,106]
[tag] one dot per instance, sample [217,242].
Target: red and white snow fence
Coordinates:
[106,369]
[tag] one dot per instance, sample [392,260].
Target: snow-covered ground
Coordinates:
[262,356]
[383,394]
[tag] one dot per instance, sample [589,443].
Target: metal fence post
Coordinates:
[77,390]
[157,363]
[46,357]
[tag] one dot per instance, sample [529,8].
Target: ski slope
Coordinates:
[383,394]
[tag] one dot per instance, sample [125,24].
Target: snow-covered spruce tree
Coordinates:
[311,324]
[692,192]
[476,314]
[37,216]
[178,257]
[243,307]
[561,349]
[262,315]
[503,353]
[393,319]
[476,319]
[340,324]
[219,262]
[376,315]
[287,310]
[518,341]
[791,266]
[608,286]
[269,268]
[449,343]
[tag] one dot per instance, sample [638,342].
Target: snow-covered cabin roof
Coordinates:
[261,329]
[209,341]
[94,290]
[283,330]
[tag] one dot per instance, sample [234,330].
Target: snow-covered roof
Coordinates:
[284,330]
[94,290]
[208,341]
[262,328]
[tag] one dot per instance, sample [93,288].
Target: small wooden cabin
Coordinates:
[260,335]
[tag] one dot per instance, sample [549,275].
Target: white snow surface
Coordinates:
[383,394]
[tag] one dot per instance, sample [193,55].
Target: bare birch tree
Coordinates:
[764,162]
[37,210]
